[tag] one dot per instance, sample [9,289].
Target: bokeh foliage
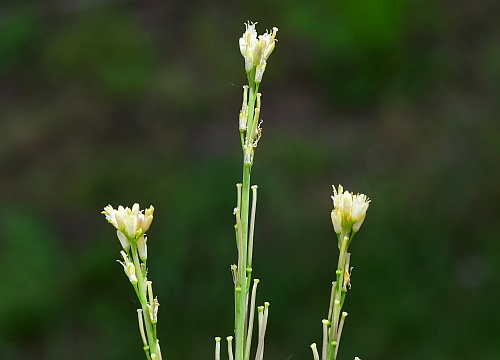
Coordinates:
[118,102]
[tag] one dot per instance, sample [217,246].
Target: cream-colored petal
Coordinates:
[123,240]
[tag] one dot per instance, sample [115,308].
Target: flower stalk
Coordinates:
[348,214]
[255,50]
[131,225]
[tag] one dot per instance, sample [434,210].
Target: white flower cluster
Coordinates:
[131,225]
[349,210]
[257,49]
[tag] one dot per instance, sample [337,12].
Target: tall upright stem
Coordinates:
[242,286]
[241,289]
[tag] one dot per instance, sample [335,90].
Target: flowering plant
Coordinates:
[131,225]
[348,214]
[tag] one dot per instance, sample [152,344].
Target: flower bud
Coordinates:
[148,218]
[128,268]
[142,247]
[337,221]
[123,240]
[358,223]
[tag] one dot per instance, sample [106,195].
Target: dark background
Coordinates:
[137,101]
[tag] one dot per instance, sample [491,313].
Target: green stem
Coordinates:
[251,109]
[339,294]
[142,295]
[242,288]
[242,285]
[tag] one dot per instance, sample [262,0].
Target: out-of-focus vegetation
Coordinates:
[122,101]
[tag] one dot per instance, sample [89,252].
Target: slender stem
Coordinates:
[242,286]
[141,331]
[251,108]
[241,294]
[335,320]
[332,298]
[252,225]
[239,242]
[315,351]
[260,317]
[243,277]
[143,299]
[230,347]
[238,195]
[251,320]
[341,326]
[324,347]
[338,299]
[158,348]
[217,348]
[262,333]
[242,139]
[252,133]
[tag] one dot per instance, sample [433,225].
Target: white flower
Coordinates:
[267,41]
[111,217]
[130,223]
[248,42]
[349,210]
[264,49]
[358,212]
[256,50]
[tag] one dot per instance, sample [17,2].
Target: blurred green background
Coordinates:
[137,101]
